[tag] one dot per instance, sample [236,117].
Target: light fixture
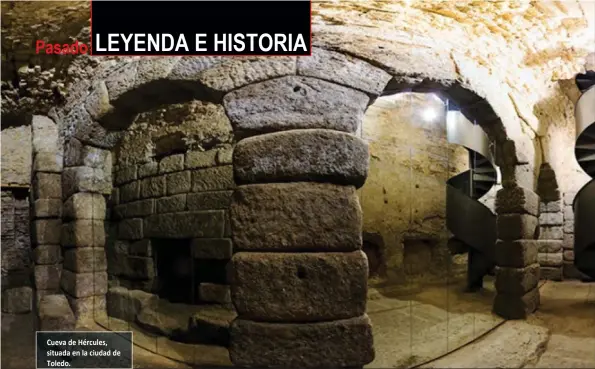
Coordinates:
[430,114]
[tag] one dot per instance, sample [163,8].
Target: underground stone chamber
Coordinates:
[286,232]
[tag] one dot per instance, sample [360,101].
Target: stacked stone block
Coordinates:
[551,230]
[517,271]
[16,253]
[86,180]
[299,277]
[551,235]
[46,196]
[569,269]
[179,196]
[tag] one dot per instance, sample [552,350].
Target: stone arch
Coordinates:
[283,109]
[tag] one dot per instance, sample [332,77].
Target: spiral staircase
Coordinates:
[471,222]
[584,151]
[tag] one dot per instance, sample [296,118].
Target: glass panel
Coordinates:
[417,303]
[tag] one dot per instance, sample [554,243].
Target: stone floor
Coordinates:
[560,335]
[436,327]
[415,325]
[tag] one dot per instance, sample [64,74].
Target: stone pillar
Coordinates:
[298,276]
[517,270]
[550,225]
[85,182]
[569,269]
[47,206]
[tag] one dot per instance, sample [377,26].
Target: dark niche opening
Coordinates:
[373,246]
[174,270]
[418,255]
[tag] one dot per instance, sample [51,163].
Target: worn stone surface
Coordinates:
[171,204]
[340,343]
[47,254]
[233,73]
[288,209]
[148,169]
[200,159]
[568,227]
[47,277]
[225,155]
[88,308]
[85,205]
[47,208]
[517,200]
[131,229]
[551,233]
[517,226]
[194,125]
[551,219]
[550,259]
[550,207]
[568,242]
[55,314]
[287,287]
[512,306]
[518,176]
[135,209]
[85,179]
[302,155]
[568,255]
[516,254]
[211,200]
[212,179]
[344,70]
[45,135]
[16,155]
[17,300]
[46,231]
[83,260]
[126,304]
[549,246]
[313,103]
[212,292]
[47,186]
[84,284]
[180,182]
[153,187]
[188,224]
[128,174]
[135,190]
[78,155]
[517,281]
[83,233]
[50,162]
[172,163]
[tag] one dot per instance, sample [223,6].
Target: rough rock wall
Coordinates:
[173,180]
[410,161]
[16,156]
[16,253]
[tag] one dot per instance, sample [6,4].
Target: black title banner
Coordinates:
[201,27]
